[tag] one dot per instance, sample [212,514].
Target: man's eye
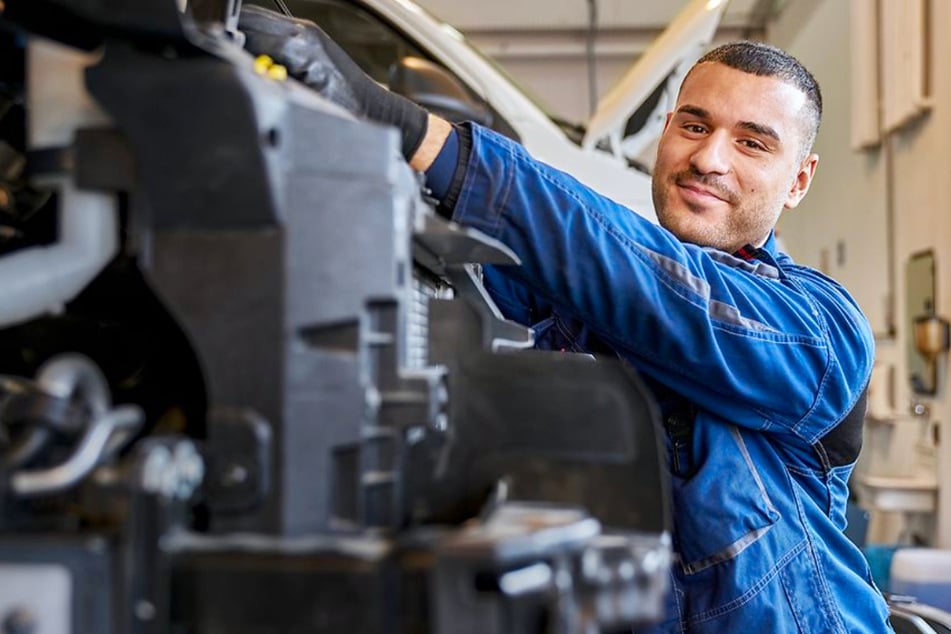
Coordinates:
[695,128]
[753,145]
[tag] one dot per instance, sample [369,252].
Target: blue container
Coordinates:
[924,573]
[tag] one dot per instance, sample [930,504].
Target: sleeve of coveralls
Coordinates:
[765,351]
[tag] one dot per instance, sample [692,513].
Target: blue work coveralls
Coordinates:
[760,366]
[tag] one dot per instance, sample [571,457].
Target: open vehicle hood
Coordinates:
[653,82]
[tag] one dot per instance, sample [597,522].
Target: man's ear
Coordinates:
[807,169]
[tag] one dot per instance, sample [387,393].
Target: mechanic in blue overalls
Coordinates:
[761,365]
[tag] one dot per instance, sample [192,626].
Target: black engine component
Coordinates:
[258,385]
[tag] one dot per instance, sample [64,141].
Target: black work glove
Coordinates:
[314,59]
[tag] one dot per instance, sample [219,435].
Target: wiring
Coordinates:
[282,7]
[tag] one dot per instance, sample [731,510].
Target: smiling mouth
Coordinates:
[699,193]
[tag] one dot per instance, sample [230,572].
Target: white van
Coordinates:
[401,45]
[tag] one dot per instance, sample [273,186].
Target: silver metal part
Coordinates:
[36,596]
[73,376]
[105,434]
[172,472]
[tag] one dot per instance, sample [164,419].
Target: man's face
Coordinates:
[728,162]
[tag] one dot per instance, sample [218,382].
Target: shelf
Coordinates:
[903,494]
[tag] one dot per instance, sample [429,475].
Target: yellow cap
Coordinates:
[277,72]
[262,63]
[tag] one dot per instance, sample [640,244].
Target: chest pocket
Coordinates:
[721,506]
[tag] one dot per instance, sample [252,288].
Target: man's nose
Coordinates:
[711,155]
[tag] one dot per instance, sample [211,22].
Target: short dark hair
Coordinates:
[759,58]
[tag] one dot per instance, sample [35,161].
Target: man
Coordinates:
[760,366]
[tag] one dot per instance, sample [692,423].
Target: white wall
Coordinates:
[853,191]
[840,227]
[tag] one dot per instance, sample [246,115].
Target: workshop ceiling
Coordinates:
[645,16]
